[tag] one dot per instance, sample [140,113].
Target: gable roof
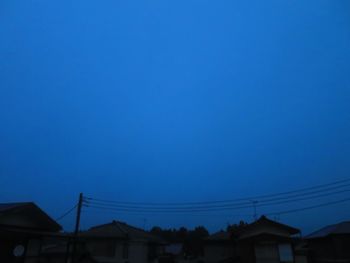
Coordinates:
[252,229]
[265,226]
[263,220]
[340,228]
[121,230]
[33,217]
[5,207]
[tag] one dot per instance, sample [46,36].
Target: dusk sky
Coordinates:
[174,101]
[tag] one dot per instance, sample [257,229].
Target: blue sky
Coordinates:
[173,101]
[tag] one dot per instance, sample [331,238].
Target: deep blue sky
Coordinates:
[173,101]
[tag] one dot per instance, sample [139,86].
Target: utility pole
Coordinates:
[77,224]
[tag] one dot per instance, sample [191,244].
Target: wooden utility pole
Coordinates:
[77,224]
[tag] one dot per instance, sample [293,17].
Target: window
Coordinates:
[286,252]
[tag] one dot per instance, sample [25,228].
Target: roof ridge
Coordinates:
[328,229]
[23,206]
[17,203]
[343,222]
[118,224]
[336,224]
[133,227]
[263,217]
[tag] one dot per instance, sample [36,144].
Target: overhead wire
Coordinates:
[66,213]
[309,207]
[309,193]
[268,214]
[213,208]
[281,195]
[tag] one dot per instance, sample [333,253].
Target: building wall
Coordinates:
[138,252]
[9,241]
[215,252]
[33,251]
[6,249]
[261,251]
[122,252]
[22,221]
[330,248]
[301,259]
[245,251]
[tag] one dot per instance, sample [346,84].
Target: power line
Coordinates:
[245,204]
[308,193]
[198,208]
[271,213]
[66,213]
[303,191]
[256,203]
[309,207]
[201,209]
[199,214]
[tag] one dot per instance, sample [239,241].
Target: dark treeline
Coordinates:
[236,227]
[192,240]
[180,235]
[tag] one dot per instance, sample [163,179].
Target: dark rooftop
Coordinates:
[263,220]
[121,230]
[35,216]
[340,228]
[5,207]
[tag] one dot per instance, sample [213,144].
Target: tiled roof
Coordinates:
[28,210]
[242,231]
[117,229]
[263,220]
[5,207]
[341,228]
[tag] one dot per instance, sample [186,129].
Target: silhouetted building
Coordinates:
[330,244]
[23,227]
[264,241]
[121,243]
[219,247]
